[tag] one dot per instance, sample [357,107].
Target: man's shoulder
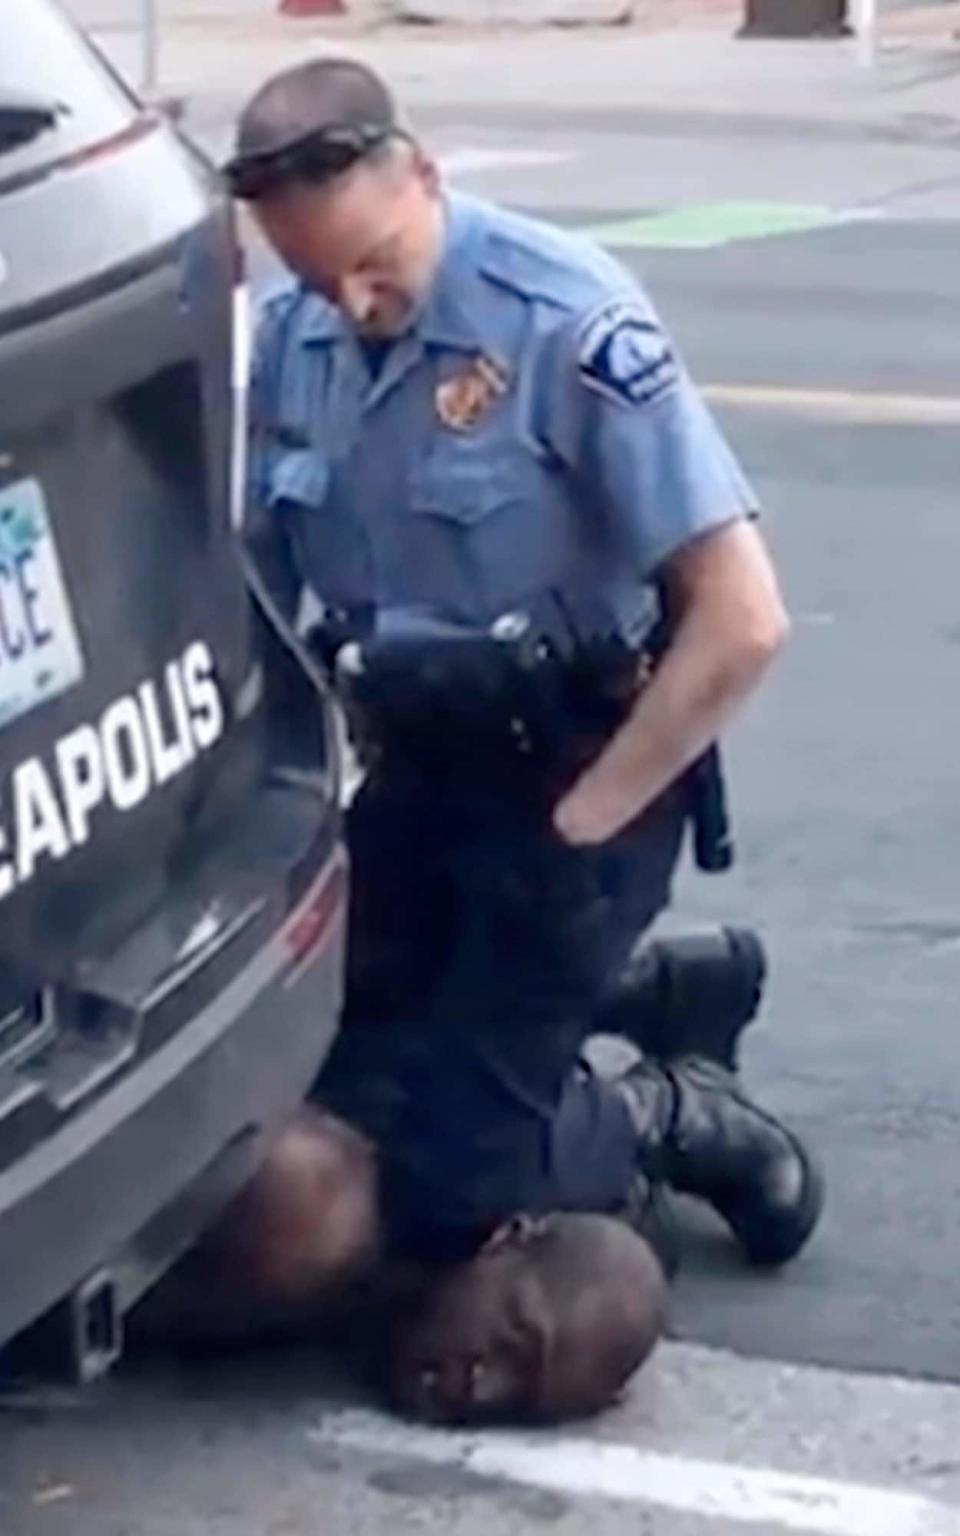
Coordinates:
[597,315]
[545,263]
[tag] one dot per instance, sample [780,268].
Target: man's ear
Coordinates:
[427,170]
[518,1232]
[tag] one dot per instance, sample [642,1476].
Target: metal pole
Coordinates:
[865,27]
[149,56]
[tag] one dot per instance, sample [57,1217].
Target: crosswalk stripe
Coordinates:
[855,407]
[467,159]
[622,1473]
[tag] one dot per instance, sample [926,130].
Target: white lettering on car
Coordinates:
[181,714]
[126,756]
[168,756]
[82,779]
[142,741]
[38,819]
[8,879]
[203,696]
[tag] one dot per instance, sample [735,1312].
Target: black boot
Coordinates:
[688,996]
[698,1131]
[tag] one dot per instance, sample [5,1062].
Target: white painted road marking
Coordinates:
[855,407]
[624,1474]
[462,161]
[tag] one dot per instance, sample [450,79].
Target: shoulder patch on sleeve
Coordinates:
[624,353]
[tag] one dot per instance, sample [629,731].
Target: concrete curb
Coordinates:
[634,79]
[510,13]
[645,15]
[924,21]
[121,15]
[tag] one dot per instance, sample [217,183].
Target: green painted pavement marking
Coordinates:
[704,225]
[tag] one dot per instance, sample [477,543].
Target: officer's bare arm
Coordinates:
[730,624]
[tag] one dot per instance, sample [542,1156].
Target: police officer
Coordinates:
[455,409]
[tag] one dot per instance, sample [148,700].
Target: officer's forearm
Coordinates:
[731,623]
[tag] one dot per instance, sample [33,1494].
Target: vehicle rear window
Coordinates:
[45,61]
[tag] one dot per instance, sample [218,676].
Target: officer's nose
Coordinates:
[356,299]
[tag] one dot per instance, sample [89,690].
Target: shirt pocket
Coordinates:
[328,543]
[484,520]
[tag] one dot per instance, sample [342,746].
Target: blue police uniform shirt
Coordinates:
[533,429]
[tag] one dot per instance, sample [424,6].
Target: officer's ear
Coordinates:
[427,170]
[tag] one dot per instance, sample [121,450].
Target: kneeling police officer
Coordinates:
[544,598]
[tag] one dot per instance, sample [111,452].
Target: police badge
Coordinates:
[464,400]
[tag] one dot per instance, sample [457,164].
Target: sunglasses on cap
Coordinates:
[315,156]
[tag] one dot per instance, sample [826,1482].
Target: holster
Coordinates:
[517,710]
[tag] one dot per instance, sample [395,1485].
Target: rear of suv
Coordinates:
[172,875]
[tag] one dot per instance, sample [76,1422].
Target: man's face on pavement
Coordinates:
[369,242]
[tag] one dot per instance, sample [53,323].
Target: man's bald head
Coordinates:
[322,93]
[547,1323]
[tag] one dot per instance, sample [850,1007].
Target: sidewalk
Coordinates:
[124,14]
[678,57]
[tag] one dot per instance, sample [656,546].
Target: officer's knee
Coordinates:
[308,1222]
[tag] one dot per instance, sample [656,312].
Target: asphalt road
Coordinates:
[844,778]
[844,770]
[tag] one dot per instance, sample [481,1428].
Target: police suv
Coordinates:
[171,868]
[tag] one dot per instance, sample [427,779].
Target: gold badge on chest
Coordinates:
[464,399]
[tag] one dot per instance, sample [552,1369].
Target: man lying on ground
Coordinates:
[548,1321]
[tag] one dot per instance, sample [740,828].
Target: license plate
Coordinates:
[39,650]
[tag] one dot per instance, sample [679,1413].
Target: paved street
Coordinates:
[829,352]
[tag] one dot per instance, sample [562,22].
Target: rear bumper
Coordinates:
[128,1182]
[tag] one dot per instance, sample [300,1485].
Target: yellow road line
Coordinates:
[855,407]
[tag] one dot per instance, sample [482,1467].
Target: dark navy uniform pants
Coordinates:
[479,946]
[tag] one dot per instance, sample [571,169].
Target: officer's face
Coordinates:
[369,243]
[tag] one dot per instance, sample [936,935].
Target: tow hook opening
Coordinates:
[97,1327]
[76,1343]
